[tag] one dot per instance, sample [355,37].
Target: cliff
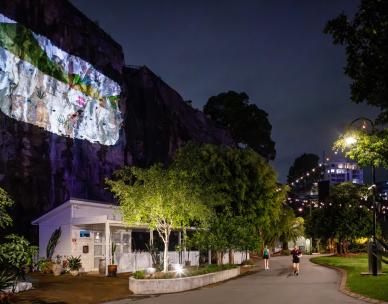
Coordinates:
[41,169]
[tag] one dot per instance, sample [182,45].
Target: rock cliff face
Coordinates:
[41,169]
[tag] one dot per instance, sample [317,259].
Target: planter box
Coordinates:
[157,286]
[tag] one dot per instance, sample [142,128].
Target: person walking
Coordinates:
[266,256]
[296,254]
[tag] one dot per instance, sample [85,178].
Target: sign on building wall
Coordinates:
[45,86]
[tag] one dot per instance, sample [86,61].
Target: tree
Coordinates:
[303,164]
[5,203]
[248,124]
[344,218]
[366,41]
[240,186]
[16,252]
[163,199]
[288,228]
[369,149]
[227,232]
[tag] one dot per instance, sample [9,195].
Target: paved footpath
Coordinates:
[315,284]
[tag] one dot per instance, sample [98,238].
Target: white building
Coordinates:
[88,229]
[343,171]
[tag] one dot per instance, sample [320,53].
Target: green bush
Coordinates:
[139,275]
[74,262]
[358,248]
[286,252]
[6,280]
[16,254]
[44,265]
[248,262]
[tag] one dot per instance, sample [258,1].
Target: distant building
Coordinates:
[340,171]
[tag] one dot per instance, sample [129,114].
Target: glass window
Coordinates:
[98,250]
[126,248]
[140,240]
[117,237]
[126,237]
[84,233]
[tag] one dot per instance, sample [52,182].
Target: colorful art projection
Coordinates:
[43,85]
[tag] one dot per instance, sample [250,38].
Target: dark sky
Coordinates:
[274,51]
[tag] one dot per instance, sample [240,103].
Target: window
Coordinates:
[84,233]
[140,240]
[126,238]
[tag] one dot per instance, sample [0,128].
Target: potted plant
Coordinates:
[74,265]
[112,268]
[57,267]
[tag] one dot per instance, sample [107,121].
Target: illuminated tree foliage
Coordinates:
[367,150]
[163,199]
[227,232]
[341,219]
[287,228]
[237,183]
[366,41]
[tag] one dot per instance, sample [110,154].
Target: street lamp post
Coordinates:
[350,141]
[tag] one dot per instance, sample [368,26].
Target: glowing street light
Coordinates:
[350,140]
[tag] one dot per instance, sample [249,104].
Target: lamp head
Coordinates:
[350,140]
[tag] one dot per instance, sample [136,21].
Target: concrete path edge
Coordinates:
[342,285]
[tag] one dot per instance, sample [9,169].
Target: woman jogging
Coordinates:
[266,256]
[296,254]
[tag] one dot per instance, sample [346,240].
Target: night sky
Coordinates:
[275,51]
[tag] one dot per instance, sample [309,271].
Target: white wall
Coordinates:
[239,257]
[89,211]
[173,257]
[47,227]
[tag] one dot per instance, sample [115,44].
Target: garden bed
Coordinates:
[191,280]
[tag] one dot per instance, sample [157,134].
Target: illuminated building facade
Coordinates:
[340,171]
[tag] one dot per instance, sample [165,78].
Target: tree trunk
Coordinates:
[231,256]
[165,256]
[285,245]
[220,256]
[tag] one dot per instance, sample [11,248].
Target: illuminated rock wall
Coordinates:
[45,86]
[40,166]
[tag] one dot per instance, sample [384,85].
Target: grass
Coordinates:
[367,285]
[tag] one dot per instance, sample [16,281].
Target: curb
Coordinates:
[342,285]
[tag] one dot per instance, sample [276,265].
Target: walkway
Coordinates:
[316,284]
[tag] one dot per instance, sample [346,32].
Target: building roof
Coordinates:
[75,202]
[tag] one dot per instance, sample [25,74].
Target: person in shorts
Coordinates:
[296,254]
[266,256]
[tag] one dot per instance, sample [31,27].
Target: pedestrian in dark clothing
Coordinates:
[296,254]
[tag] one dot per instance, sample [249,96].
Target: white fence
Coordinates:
[130,262]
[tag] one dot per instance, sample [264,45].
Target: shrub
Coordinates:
[6,280]
[248,262]
[286,252]
[52,243]
[74,262]
[139,275]
[16,254]
[358,248]
[44,266]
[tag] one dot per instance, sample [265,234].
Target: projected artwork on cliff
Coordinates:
[43,85]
